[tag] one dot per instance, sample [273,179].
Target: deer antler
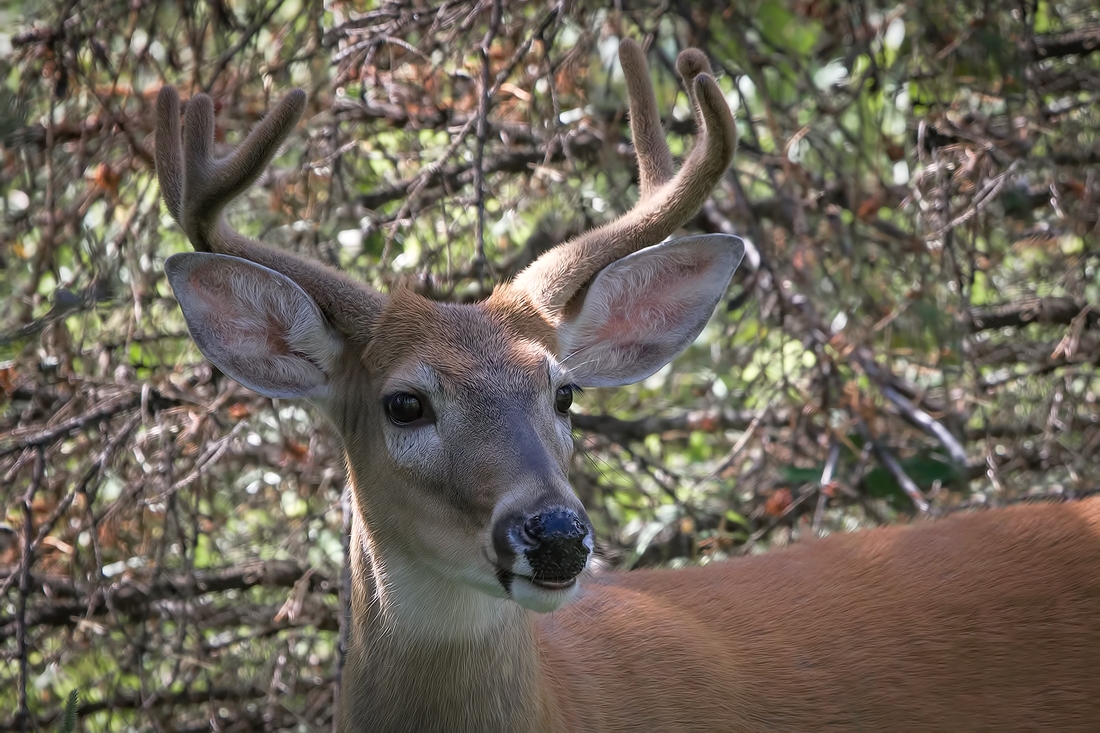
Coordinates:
[666,201]
[197,192]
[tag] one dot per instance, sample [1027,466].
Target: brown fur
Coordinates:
[980,622]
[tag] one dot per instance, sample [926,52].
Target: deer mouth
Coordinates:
[507,579]
[552,584]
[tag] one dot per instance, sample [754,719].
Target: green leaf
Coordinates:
[68,721]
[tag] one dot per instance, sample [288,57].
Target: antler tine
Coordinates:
[196,188]
[666,202]
[690,64]
[168,155]
[655,165]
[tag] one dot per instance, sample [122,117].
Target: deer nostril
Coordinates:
[561,524]
[533,528]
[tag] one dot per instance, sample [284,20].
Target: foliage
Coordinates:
[68,718]
[915,329]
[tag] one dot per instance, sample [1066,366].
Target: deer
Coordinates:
[474,602]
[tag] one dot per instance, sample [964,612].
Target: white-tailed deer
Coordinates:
[472,609]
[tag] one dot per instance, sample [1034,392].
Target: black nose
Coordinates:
[556,544]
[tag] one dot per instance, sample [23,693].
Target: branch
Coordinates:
[625,431]
[711,421]
[886,458]
[921,419]
[1074,43]
[582,145]
[61,431]
[131,596]
[1048,311]
[132,700]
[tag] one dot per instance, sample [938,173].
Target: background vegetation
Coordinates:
[915,328]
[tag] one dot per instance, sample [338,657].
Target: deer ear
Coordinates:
[643,310]
[255,324]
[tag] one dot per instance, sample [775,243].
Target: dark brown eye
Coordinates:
[564,398]
[403,408]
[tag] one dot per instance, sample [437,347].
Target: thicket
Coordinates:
[916,328]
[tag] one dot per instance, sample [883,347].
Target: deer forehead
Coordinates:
[458,348]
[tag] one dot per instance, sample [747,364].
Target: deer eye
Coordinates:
[564,398]
[403,408]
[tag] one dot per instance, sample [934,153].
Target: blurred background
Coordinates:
[915,329]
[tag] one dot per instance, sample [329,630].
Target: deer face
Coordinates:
[466,418]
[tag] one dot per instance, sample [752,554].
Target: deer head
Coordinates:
[455,417]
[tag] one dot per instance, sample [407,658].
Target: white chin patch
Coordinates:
[539,599]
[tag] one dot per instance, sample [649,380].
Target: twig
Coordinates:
[23,715]
[927,423]
[887,459]
[482,132]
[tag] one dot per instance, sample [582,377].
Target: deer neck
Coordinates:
[428,653]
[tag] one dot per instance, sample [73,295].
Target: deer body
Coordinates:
[472,605]
[889,629]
